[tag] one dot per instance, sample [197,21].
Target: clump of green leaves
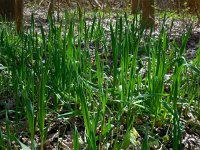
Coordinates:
[113,81]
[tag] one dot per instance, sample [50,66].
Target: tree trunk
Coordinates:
[68,3]
[50,9]
[194,6]
[136,6]
[7,10]
[19,7]
[148,13]
[12,10]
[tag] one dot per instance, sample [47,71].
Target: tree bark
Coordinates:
[50,9]
[19,7]
[148,13]
[12,10]
[7,10]
[68,3]
[194,6]
[136,6]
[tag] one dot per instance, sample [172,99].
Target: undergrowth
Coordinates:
[113,88]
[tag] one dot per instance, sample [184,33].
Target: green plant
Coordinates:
[111,80]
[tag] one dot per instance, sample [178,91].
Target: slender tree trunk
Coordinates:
[50,9]
[19,6]
[12,10]
[136,6]
[7,10]
[68,3]
[148,13]
[194,6]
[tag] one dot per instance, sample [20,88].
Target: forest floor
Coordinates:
[179,27]
[191,137]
